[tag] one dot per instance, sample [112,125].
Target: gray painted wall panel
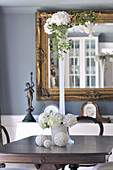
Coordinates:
[17,60]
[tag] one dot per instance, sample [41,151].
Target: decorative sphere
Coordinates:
[60,139]
[47,143]
[40,140]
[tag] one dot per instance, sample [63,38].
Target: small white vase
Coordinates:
[60,128]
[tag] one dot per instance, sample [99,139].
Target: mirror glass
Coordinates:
[81,68]
[85,78]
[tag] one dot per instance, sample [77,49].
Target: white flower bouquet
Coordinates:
[88,28]
[55,119]
[43,120]
[57,19]
[103,56]
[59,23]
[46,120]
[100,57]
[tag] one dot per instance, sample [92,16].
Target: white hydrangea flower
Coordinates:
[88,29]
[81,29]
[60,18]
[101,57]
[69,120]
[47,27]
[43,120]
[55,119]
[46,120]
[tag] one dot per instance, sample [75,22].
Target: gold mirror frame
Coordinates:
[43,93]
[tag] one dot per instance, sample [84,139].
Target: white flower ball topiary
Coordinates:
[47,143]
[40,140]
[61,139]
[69,120]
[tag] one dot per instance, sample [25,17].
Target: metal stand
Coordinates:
[30,91]
[29,117]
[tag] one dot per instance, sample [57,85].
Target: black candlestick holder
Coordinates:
[29,117]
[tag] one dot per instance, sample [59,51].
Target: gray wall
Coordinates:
[17,60]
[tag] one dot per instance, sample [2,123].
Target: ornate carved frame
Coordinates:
[42,91]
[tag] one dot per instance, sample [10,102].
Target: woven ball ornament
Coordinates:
[60,139]
[40,140]
[47,143]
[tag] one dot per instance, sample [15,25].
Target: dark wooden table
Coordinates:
[86,149]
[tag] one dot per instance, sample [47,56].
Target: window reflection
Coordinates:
[80,67]
[71,81]
[71,51]
[54,71]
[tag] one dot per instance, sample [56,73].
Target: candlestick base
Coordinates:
[29,117]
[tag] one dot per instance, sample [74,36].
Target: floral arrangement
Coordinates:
[104,56]
[60,22]
[46,120]
[88,29]
[58,25]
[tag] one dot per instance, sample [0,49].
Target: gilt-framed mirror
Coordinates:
[82,45]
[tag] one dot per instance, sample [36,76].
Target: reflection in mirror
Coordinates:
[47,90]
[81,68]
